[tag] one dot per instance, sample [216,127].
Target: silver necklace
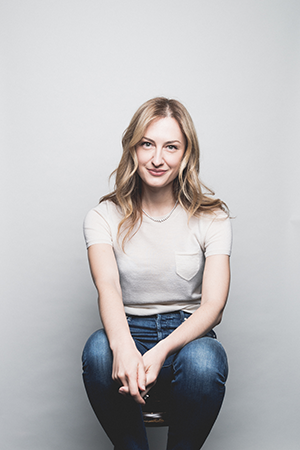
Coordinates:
[163,218]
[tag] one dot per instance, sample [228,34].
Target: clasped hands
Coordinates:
[137,373]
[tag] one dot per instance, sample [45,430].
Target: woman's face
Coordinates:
[160,153]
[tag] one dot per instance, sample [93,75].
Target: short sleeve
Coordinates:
[96,229]
[218,239]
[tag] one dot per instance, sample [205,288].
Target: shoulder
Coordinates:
[108,210]
[215,232]
[101,224]
[206,219]
[217,220]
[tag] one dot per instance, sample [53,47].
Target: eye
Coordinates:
[146,144]
[171,147]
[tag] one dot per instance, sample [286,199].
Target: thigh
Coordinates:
[97,357]
[201,362]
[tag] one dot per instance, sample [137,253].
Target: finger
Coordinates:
[134,392]
[141,377]
[123,385]
[124,390]
[150,380]
[119,377]
[145,392]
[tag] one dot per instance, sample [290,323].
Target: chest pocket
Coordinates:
[187,265]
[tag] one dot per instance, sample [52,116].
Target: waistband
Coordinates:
[172,315]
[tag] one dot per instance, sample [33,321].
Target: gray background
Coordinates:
[73,73]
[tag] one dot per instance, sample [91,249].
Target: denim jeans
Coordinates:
[194,377]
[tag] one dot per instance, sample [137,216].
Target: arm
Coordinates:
[215,287]
[128,366]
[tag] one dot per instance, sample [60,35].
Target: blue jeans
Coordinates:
[194,378]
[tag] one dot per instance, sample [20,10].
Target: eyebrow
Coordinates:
[168,142]
[171,142]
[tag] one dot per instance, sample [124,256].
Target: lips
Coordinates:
[156,173]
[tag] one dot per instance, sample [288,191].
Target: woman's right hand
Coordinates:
[128,370]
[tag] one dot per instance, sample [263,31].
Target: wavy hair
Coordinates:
[192,195]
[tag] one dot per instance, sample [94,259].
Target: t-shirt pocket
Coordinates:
[187,265]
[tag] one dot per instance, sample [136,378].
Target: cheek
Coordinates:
[140,157]
[176,161]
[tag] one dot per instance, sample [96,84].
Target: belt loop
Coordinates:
[181,316]
[158,327]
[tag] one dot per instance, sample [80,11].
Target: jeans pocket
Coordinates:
[187,265]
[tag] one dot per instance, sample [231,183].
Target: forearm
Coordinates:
[128,367]
[197,325]
[215,287]
[113,317]
[106,279]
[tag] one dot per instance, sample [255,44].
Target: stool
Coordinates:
[155,409]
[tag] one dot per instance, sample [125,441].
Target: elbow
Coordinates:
[219,318]
[218,321]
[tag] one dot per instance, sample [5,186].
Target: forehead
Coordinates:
[164,127]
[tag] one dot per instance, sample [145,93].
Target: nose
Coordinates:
[157,157]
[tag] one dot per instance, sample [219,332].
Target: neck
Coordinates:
[158,203]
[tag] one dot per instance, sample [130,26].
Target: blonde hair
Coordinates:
[187,188]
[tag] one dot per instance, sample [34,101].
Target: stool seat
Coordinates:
[155,419]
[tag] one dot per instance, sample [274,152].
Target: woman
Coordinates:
[158,250]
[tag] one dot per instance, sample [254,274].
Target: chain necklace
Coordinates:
[163,218]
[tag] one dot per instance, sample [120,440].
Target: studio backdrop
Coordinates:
[73,72]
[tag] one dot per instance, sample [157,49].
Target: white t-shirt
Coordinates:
[162,267]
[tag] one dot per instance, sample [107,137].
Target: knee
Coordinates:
[203,361]
[97,353]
